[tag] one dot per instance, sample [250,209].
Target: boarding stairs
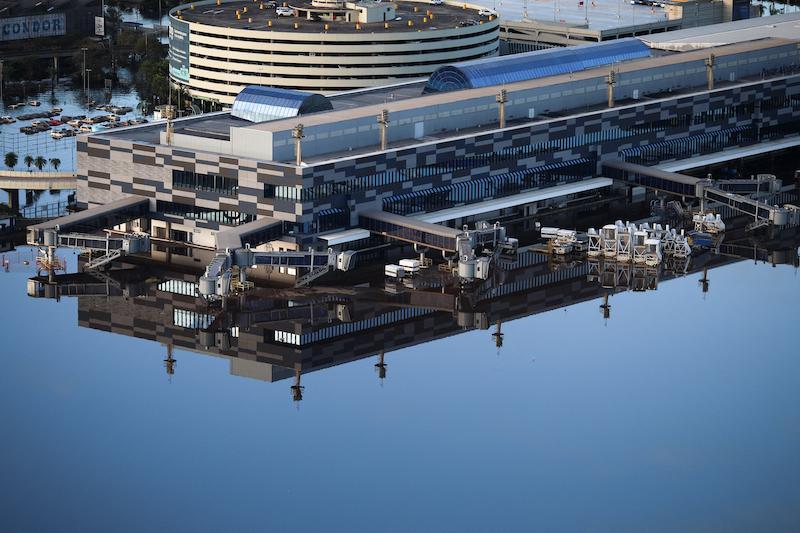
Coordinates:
[315,273]
[764,214]
[104,259]
[760,223]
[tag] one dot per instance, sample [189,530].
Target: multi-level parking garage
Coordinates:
[218,48]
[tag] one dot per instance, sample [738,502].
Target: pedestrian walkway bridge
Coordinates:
[410,230]
[37,181]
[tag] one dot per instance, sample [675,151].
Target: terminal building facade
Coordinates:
[446,156]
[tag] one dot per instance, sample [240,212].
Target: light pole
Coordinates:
[88,83]
[383,120]
[83,72]
[501,98]
[297,133]
[710,60]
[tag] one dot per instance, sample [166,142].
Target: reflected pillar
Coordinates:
[13,200]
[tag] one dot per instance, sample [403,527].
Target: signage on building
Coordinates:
[741,10]
[18,28]
[99,26]
[179,49]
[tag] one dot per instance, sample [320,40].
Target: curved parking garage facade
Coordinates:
[216,49]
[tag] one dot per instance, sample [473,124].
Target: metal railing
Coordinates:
[50,210]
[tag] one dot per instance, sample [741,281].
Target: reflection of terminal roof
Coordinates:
[531,65]
[785,26]
[258,104]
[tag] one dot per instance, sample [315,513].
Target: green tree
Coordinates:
[11,160]
[152,80]
[55,163]
[40,162]
[28,161]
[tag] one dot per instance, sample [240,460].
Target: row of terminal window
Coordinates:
[216,183]
[193,212]
[338,330]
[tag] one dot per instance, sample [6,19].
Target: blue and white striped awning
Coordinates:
[709,136]
[487,180]
[330,211]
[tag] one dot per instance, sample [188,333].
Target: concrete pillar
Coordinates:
[13,200]
[168,256]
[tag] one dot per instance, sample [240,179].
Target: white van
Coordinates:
[411,266]
[394,271]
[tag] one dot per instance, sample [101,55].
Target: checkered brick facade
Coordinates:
[109,168]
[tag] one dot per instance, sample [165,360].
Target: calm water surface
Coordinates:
[679,413]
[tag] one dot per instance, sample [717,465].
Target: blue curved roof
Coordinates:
[530,65]
[259,104]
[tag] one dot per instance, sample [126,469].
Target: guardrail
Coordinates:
[51,210]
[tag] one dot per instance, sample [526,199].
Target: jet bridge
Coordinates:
[709,190]
[476,248]
[219,280]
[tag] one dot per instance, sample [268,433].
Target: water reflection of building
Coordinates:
[276,334]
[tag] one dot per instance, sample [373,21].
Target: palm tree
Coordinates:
[28,161]
[40,162]
[11,160]
[55,163]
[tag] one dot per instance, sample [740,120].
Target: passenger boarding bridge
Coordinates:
[709,190]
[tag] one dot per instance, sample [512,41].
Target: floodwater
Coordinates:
[73,102]
[680,412]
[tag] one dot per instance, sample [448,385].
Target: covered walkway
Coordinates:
[94,219]
[410,230]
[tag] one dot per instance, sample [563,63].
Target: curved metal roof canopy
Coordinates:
[259,104]
[531,65]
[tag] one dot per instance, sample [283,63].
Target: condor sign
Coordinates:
[13,29]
